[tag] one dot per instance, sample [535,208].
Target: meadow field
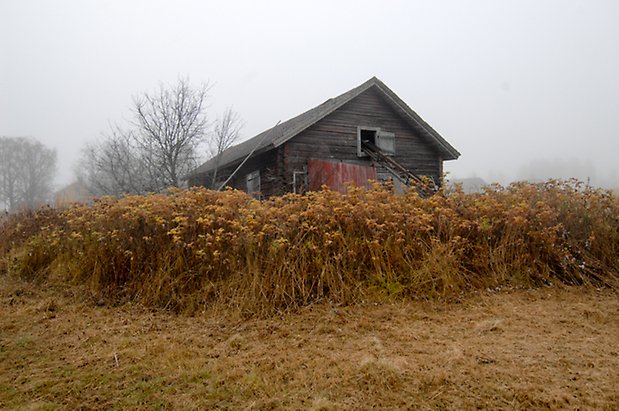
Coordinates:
[546,348]
[195,299]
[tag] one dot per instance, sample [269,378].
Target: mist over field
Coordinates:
[523,89]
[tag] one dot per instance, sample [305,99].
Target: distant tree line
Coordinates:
[162,142]
[27,170]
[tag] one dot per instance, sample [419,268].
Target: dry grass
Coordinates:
[324,301]
[527,349]
[195,249]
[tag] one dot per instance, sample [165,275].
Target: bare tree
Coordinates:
[171,125]
[27,171]
[113,166]
[9,172]
[38,167]
[226,133]
[160,146]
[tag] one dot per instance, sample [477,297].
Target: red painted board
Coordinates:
[338,175]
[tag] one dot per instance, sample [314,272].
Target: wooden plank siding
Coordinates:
[329,132]
[335,138]
[266,163]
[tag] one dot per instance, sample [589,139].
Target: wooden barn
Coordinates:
[367,133]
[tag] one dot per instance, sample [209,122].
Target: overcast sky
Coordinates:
[518,87]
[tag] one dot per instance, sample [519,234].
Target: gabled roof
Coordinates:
[283,132]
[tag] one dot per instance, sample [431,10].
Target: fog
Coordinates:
[523,89]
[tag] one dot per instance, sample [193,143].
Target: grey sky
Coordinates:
[513,85]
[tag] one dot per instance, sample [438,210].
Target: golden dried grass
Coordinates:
[548,348]
[194,249]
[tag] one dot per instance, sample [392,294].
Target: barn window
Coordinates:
[253,183]
[366,134]
[383,140]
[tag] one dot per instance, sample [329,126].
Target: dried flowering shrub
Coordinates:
[193,248]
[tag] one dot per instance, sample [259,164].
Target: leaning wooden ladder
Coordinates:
[404,175]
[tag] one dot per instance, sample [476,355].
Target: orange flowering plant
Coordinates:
[188,249]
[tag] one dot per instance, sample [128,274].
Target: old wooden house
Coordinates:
[367,133]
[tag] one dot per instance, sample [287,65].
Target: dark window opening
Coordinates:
[368,136]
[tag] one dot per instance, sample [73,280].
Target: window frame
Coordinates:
[376,131]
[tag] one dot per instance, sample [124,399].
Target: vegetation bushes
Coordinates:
[194,248]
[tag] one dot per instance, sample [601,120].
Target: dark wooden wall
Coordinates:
[265,162]
[335,138]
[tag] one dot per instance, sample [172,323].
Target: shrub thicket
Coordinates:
[193,248]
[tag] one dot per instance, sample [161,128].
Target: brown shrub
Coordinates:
[192,248]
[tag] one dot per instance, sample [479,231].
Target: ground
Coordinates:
[554,348]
